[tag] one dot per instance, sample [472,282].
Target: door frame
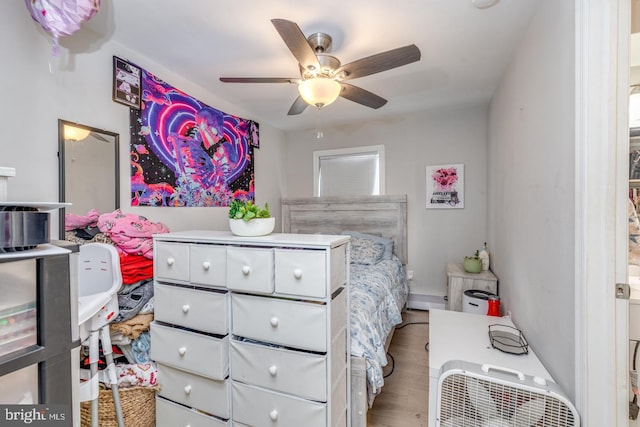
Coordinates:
[601,173]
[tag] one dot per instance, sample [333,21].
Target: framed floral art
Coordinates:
[445,186]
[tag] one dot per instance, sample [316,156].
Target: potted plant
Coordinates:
[248,219]
[472,264]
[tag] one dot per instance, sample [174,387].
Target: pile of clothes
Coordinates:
[131,234]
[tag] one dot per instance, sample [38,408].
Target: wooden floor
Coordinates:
[404,399]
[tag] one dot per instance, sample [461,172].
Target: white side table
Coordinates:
[459,281]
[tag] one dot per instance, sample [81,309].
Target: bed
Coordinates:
[378,290]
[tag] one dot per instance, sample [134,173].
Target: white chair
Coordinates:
[99,280]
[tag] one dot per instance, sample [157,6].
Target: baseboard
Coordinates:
[425,302]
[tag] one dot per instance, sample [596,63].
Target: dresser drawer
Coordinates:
[250,269]
[196,353]
[208,395]
[255,406]
[191,308]
[208,265]
[294,372]
[171,261]
[301,272]
[169,414]
[290,323]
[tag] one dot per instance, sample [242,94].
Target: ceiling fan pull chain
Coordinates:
[319,133]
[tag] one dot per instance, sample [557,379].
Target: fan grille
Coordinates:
[465,401]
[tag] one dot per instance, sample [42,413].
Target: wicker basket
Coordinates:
[138,408]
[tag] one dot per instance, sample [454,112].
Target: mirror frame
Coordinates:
[61,166]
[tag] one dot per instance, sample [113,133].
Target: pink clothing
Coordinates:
[73,221]
[131,233]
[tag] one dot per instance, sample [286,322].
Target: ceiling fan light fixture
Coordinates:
[319,91]
[73,133]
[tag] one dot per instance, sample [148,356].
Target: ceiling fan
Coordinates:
[322,76]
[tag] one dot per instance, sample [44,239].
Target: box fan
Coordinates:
[472,395]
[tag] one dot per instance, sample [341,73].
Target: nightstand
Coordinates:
[459,281]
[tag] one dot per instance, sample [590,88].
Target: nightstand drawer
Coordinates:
[171,261]
[190,351]
[208,265]
[301,272]
[270,408]
[290,323]
[191,308]
[208,395]
[294,372]
[250,269]
[169,414]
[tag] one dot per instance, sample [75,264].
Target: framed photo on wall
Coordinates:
[254,134]
[445,186]
[126,83]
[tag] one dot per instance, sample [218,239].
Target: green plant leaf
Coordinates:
[247,210]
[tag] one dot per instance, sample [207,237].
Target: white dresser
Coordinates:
[251,331]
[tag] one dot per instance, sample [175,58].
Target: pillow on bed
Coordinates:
[387,243]
[365,251]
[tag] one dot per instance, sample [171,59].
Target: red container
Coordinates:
[493,306]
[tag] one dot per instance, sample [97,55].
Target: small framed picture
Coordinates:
[126,83]
[254,134]
[445,186]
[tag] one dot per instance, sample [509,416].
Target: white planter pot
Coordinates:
[254,227]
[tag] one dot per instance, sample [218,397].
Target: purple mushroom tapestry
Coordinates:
[185,153]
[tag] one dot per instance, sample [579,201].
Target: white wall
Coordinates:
[411,143]
[531,188]
[79,90]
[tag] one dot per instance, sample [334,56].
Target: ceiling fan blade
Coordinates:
[258,80]
[380,62]
[298,106]
[99,137]
[361,96]
[297,43]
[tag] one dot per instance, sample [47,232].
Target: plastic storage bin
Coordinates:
[476,301]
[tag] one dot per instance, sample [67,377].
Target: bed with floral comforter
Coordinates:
[378,292]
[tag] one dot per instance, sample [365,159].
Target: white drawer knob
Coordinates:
[273,370]
[206,265]
[187,389]
[297,273]
[170,261]
[273,415]
[274,321]
[246,270]
[182,351]
[185,308]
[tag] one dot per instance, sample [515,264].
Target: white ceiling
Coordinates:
[464,49]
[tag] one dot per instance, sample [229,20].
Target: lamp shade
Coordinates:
[75,134]
[319,91]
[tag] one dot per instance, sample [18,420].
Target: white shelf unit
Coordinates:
[251,330]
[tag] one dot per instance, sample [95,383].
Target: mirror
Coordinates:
[89,173]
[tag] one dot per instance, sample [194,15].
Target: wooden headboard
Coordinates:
[380,215]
